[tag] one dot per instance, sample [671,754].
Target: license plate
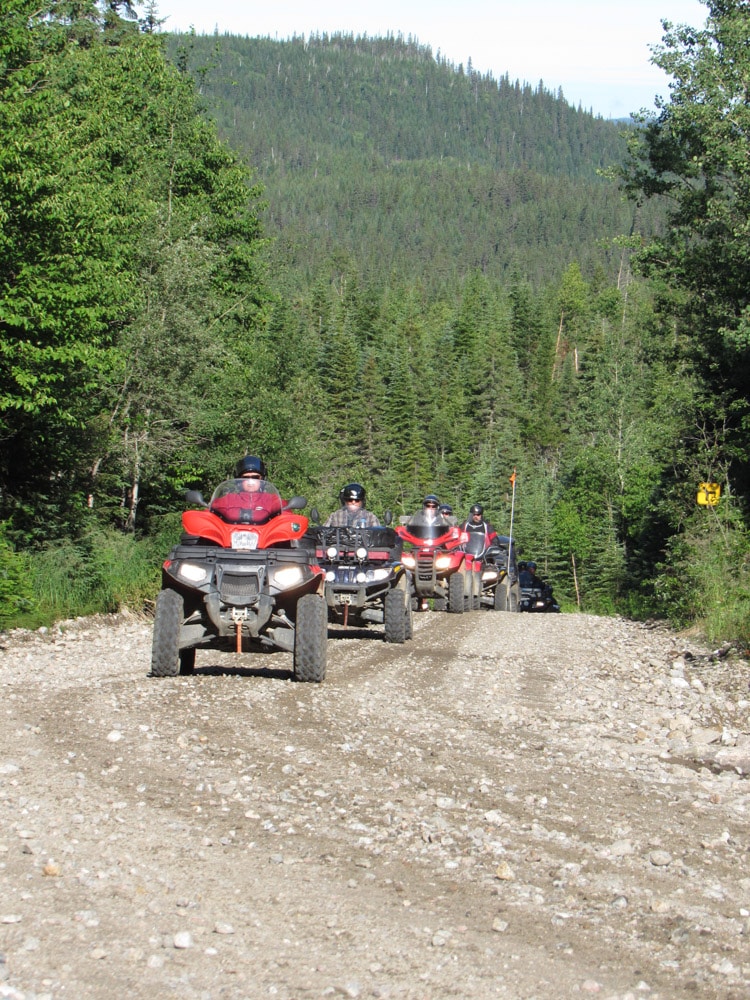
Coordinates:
[244,540]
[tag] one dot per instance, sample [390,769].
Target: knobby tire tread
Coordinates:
[394,616]
[165,650]
[311,639]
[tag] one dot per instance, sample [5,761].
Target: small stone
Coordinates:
[621,848]
[660,859]
[499,926]
[115,736]
[222,928]
[705,737]
[51,870]
[183,939]
[504,872]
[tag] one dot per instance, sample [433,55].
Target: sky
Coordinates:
[598,52]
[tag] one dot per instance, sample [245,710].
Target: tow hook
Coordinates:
[239,615]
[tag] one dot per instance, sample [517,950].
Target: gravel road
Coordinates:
[515,806]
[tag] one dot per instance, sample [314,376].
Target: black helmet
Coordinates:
[250,463]
[523,565]
[476,508]
[531,566]
[445,509]
[353,491]
[430,500]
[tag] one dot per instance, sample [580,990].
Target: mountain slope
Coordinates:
[374,148]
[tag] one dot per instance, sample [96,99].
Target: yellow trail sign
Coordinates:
[708,494]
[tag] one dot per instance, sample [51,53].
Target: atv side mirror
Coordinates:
[315,515]
[196,497]
[387,518]
[296,503]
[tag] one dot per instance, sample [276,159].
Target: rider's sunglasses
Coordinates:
[352,500]
[432,505]
[251,475]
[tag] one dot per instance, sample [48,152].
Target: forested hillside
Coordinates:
[365,264]
[373,148]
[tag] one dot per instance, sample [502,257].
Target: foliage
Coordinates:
[707,576]
[693,155]
[16,596]
[130,279]
[379,150]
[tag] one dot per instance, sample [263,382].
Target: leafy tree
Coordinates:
[692,153]
[131,287]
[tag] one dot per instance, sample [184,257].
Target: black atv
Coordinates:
[538,599]
[365,582]
[536,595]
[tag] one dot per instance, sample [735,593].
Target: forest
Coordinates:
[364,263]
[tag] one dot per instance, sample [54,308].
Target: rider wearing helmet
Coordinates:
[527,576]
[446,510]
[477,524]
[249,491]
[251,465]
[430,507]
[352,512]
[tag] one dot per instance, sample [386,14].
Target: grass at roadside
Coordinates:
[102,572]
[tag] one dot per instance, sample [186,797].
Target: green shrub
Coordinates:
[16,591]
[101,572]
[706,580]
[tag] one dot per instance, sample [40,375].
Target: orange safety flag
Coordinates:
[513,478]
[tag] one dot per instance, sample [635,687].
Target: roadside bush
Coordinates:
[99,573]
[16,592]
[706,580]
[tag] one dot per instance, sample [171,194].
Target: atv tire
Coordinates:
[311,639]
[476,587]
[456,592]
[500,602]
[165,649]
[394,616]
[409,629]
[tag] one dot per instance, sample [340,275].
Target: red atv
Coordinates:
[239,580]
[440,568]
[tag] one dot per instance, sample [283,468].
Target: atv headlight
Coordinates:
[376,575]
[489,574]
[361,577]
[193,572]
[361,553]
[330,575]
[290,576]
[409,561]
[443,562]
[332,551]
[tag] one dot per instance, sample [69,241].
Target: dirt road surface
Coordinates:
[508,805]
